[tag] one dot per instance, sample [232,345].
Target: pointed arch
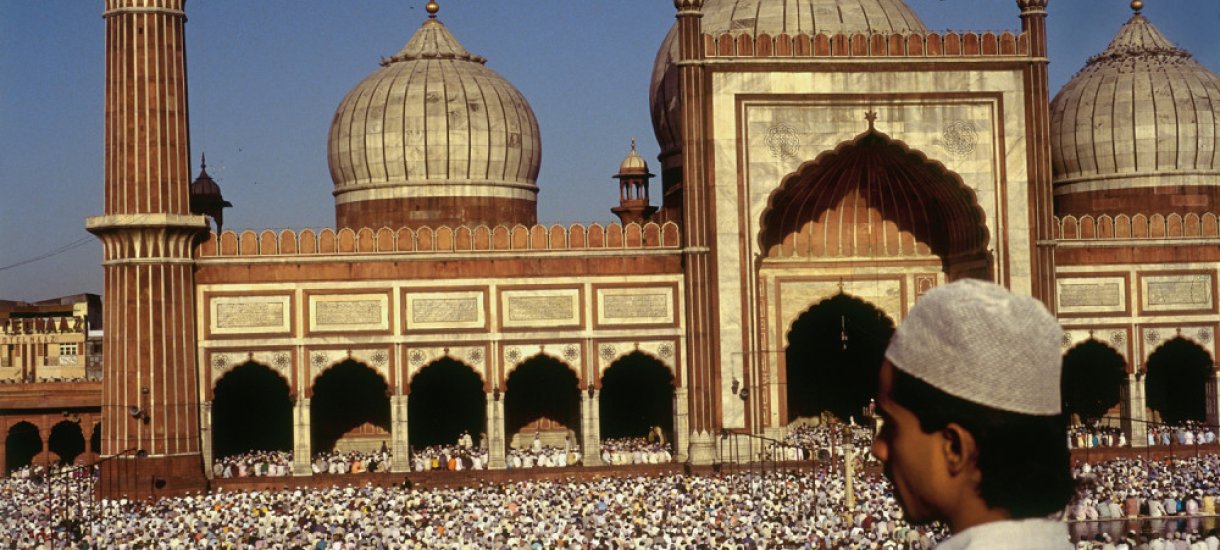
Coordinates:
[875,196]
[1092,380]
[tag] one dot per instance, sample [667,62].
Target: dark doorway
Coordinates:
[95,440]
[1093,376]
[446,399]
[637,393]
[542,388]
[21,446]
[251,411]
[346,397]
[1176,386]
[67,441]
[834,355]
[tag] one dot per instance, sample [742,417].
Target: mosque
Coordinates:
[820,169]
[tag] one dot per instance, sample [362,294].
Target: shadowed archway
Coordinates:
[834,356]
[637,393]
[874,197]
[251,411]
[1092,381]
[349,399]
[446,399]
[542,389]
[66,441]
[21,445]
[95,440]
[1176,386]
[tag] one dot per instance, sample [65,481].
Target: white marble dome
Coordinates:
[434,123]
[1142,114]
[772,17]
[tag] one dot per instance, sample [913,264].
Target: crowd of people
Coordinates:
[1081,436]
[634,450]
[279,463]
[1188,433]
[773,510]
[823,441]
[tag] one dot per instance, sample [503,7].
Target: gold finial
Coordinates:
[432,8]
[1137,5]
[632,145]
[871,117]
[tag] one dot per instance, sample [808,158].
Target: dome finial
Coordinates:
[632,145]
[203,162]
[432,8]
[1136,6]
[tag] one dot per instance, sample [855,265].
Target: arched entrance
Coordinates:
[637,393]
[873,198]
[350,409]
[834,356]
[543,395]
[447,398]
[21,445]
[251,411]
[1093,377]
[1176,386]
[67,441]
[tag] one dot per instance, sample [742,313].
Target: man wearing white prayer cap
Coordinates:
[973,428]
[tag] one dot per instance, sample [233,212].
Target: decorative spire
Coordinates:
[871,117]
[1136,6]
[203,164]
[432,8]
[432,41]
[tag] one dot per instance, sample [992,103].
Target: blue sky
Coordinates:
[265,77]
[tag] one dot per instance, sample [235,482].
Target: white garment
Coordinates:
[1023,534]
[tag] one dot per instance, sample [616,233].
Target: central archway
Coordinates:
[251,411]
[834,356]
[21,445]
[874,197]
[351,403]
[447,399]
[67,441]
[542,394]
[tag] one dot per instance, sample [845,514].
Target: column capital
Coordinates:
[688,6]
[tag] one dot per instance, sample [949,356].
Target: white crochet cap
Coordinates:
[976,340]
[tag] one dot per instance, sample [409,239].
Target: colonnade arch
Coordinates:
[1179,372]
[833,357]
[66,441]
[1092,381]
[22,443]
[350,402]
[447,398]
[251,411]
[542,392]
[637,394]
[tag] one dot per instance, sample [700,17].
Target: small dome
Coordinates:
[634,164]
[1141,114]
[204,185]
[772,17]
[434,137]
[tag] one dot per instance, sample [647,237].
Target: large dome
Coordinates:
[434,137]
[771,17]
[1137,130]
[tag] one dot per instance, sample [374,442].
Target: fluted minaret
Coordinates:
[150,403]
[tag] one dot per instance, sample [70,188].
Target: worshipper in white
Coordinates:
[973,430]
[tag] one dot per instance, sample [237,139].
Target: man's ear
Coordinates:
[959,448]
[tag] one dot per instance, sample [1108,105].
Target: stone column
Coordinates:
[205,436]
[1213,399]
[681,425]
[591,428]
[495,431]
[301,445]
[1133,410]
[399,434]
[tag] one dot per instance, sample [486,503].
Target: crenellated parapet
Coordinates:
[930,45]
[1139,226]
[444,239]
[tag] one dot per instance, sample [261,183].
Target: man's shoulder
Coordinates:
[1022,534]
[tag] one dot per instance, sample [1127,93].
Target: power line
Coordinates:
[74,244]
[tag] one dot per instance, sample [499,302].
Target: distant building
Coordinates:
[56,339]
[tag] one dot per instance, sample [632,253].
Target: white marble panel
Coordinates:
[249,314]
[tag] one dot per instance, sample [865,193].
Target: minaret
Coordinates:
[1038,121]
[633,203]
[150,387]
